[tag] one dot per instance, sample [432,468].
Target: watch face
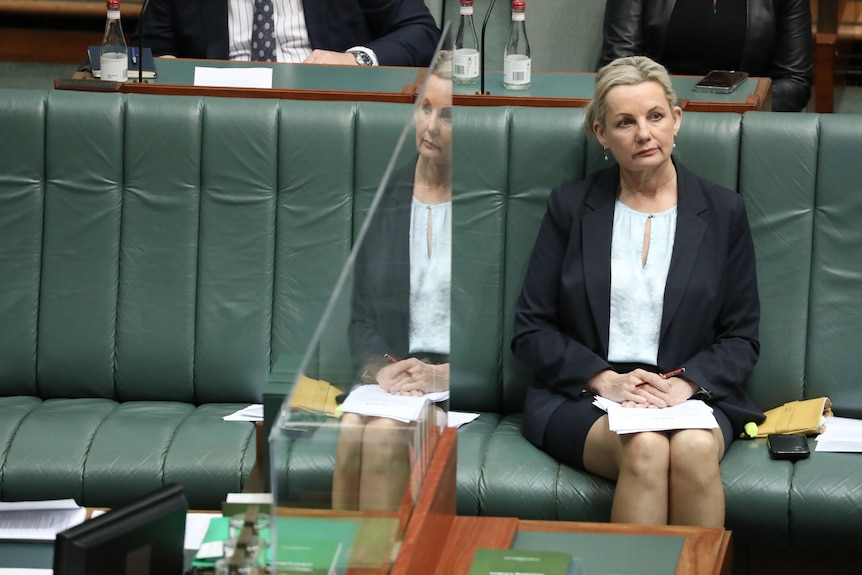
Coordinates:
[363,59]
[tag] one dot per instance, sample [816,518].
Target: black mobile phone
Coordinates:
[721,81]
[791,446]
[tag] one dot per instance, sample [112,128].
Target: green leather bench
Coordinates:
[159,253]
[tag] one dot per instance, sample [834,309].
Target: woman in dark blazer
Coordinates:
[769,38]
[639,269]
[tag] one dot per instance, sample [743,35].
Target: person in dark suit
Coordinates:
[400,311]
[769,38]
[364,32]
[639,269]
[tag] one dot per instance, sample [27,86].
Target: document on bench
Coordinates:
[233,77]
[841,434]
[38,520]
[691,414]
[372,400]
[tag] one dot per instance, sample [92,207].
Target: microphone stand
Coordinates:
[141,42]
[482,55]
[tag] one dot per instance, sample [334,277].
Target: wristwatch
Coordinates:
[703,394]
[363,58]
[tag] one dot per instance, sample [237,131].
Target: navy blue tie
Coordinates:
[262,32]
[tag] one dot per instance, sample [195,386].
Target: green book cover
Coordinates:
[519,562]
[609,553]
[303,544]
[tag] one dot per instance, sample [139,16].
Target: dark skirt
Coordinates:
[567,430]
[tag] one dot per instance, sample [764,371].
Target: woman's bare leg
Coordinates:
[639,463]
[696,491]
[348,462]
[385,471]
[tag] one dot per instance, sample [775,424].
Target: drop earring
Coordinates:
[606,153]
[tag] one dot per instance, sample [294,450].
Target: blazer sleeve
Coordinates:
[158,28]
[722,366]
[546,338]
[791,63]
[622,30]
[404,32]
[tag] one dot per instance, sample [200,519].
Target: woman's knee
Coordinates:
[646,452]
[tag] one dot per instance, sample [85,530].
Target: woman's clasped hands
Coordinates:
[412,376]
[641,388]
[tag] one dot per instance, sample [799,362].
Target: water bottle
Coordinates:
[465,69]
[516,58]
[114,54]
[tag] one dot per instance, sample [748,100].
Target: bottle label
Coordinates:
[518,17]
[465,65]
[113,14]
[114,67]
[467,10]
[516,70]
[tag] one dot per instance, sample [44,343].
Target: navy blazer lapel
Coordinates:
[690,231]
[597,230]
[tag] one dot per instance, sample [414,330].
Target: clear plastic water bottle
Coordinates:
[465,69]
[114,61]
[516,58]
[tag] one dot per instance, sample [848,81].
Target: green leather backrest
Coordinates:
[565,35]
[168,247]
[832,355]
[778,167]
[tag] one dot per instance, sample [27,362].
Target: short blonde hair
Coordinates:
[442,65]
[626,71]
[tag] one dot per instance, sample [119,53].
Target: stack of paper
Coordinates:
[841,434]
[372,400]
[691,414]
[39,520]
[253,412]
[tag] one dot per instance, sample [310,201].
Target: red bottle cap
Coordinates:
[518,5]
[113,4]
[466,2]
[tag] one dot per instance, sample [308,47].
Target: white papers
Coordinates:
[459,418]
[24,571]
[372,400]
[38,520]
[196,528]
[233,77]
[253,412]
[691,414]
[841,434]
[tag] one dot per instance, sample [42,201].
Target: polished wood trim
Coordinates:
[128,8]
[759,100]
[825,47]
[60,46]
[402,97]
[434,515]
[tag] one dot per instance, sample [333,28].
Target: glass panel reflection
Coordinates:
[352,443]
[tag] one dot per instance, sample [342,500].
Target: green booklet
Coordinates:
[609,553]
[516,562]
[303,544]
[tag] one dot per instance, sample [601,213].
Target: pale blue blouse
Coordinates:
[430,276]
[637,290]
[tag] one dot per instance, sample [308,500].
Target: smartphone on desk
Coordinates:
[721,81]
[790,446]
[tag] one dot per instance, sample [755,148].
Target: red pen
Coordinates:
[667,375]
[393,360]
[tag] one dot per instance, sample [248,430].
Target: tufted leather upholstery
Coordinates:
[155,261]
[151,249]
